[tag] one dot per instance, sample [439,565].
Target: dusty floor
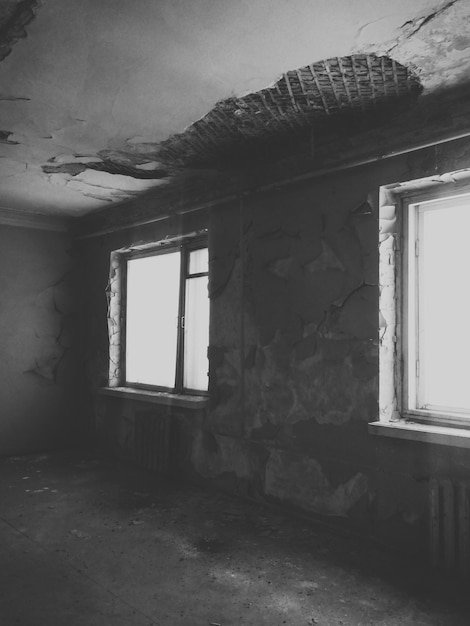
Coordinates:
[92,542]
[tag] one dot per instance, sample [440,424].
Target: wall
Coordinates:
[293,357]
[38,380]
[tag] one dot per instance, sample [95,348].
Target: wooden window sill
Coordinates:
[427,433]
[185,401]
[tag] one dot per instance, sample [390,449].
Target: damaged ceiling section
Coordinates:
[359,88]
[436,44]
[302,104]
[113,162]
[110,176]
[98,106]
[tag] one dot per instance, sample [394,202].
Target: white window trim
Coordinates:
[411,404]
[425,433]
[395,418]
[116,319]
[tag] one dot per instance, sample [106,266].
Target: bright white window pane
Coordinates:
[196,334]
[198,261]
[152,315]
[444,305]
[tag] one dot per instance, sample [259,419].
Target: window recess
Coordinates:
[436,304]
[166,318]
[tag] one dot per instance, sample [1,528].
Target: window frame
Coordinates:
[406,283]
[184,246]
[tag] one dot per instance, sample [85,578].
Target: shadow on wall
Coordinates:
[37,337]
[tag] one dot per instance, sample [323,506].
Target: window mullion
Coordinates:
[412,304]
[123,324]
[181,310]
[420,357]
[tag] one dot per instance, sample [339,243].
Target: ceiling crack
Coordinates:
[411,27]
[8,98]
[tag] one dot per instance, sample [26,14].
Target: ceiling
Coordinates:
[100,99]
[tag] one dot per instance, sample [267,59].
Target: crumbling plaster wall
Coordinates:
[294,361]
[294,352]
[38,369]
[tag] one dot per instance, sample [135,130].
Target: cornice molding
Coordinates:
[25,219]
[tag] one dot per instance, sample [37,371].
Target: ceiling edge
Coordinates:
[38,221]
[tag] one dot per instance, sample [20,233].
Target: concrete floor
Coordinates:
[87,541]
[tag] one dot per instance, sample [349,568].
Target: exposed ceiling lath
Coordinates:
[300,98]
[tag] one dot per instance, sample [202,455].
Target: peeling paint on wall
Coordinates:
[389,236]
[311,351]
[52,327]
[114,317]
[40,387]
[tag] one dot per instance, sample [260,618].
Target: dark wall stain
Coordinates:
[5,138]
[13,20]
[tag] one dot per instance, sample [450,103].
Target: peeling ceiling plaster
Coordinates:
[262,125]
[91,91]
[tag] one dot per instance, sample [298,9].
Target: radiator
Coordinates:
[152,442]
[450,525]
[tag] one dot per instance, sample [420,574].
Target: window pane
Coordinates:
[196,334]
[199,261]
[152,315]
[444,305]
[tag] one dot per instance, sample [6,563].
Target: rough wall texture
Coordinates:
[294,362]
[37,321]
[294,354]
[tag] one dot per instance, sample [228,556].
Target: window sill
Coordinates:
[157,397]
[427,433]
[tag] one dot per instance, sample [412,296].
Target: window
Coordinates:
[166,318]
[436,306]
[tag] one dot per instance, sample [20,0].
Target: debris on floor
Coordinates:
[107,544]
